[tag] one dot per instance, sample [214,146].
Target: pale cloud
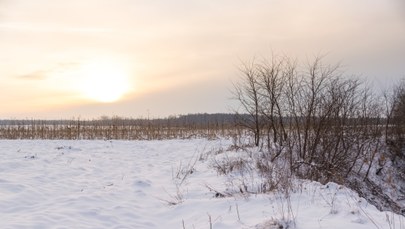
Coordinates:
[37,75]
[53,71]
[44,28]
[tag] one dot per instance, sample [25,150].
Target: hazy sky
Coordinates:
[87,58]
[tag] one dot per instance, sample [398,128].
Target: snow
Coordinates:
[157,184]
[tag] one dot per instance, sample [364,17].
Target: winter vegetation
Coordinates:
[325,126]
[127,114]
[309,147]
[106,128]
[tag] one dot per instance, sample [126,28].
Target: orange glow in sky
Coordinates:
[63,59]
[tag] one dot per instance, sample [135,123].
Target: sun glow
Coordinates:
[104,81]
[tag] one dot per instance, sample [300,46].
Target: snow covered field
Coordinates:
[156,184]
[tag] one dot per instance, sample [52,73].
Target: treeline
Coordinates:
[173,127]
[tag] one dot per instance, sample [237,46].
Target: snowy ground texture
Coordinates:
[157,184]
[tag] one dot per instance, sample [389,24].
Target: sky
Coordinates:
[134,58]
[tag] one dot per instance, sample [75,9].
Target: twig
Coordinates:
[218,194]
[209,220]
[237,211]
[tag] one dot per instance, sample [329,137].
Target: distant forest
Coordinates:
[181,126]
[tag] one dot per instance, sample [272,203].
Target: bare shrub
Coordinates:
[174,199]
[323,123]
[395,126]
[229,164]
[247,93]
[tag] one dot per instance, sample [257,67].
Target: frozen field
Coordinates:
[156,184]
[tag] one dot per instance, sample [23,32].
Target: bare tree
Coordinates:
[247,93]
[395,126]
[323,123]
[272,84]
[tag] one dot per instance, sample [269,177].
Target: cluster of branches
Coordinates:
[325,124]
[395,125]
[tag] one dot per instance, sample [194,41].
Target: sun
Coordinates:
[104,81]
